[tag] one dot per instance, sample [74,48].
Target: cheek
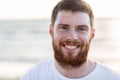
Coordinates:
[56,39]
[58,36]
[85,38]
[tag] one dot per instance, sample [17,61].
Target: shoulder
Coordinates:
[38,70]
[106,71]
[44,64]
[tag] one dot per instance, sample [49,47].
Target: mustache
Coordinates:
[72,42]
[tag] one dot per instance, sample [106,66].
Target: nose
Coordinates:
[72,35]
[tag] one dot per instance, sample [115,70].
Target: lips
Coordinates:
[71,46]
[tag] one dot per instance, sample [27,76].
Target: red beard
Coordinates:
[75,61]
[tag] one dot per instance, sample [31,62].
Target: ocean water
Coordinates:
[26,42]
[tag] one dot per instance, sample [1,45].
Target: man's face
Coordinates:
[71,37]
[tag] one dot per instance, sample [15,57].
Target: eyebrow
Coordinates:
[63,25]
[85,26]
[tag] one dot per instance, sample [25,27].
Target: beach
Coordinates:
[24,43]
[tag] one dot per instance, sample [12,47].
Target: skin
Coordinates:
[72,26]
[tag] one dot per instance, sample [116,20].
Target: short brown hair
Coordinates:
[72,5]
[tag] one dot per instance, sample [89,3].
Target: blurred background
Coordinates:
[25,39]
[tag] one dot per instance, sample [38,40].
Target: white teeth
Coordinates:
[71,47]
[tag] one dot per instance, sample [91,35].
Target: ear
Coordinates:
[92,34]
[51,30]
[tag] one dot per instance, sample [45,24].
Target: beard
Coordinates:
[70,60]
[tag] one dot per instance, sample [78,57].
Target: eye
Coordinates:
[82,28]
[63,27]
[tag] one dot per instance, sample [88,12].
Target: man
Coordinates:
[72,31]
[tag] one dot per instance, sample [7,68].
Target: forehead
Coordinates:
[72,18]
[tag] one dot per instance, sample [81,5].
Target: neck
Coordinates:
[76,72]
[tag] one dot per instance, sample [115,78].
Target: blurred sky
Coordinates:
[36,9]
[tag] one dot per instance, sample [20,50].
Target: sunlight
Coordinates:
[30,9]
[12,9]
[105,8]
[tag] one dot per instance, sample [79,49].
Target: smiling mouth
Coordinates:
[71,46]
